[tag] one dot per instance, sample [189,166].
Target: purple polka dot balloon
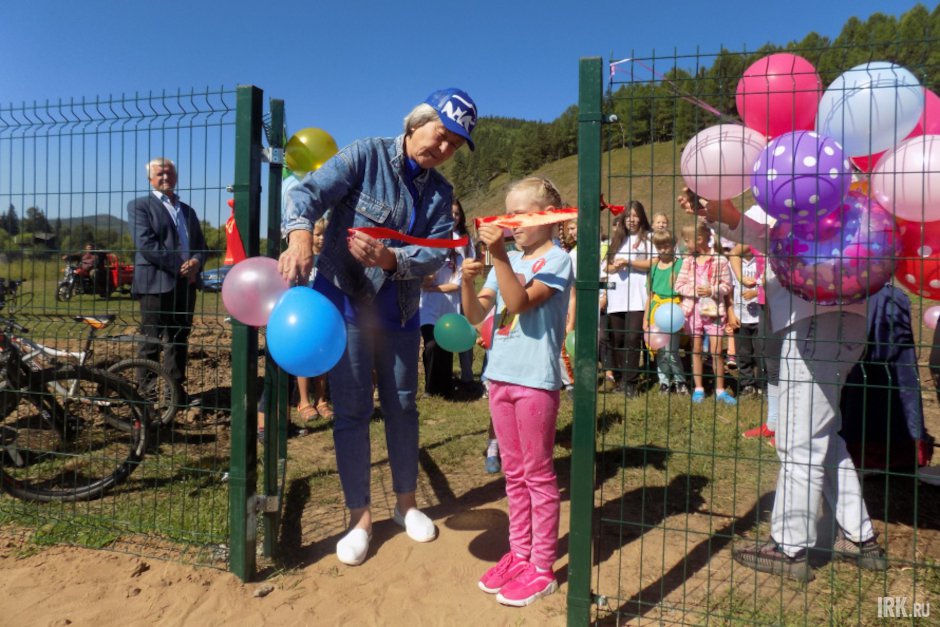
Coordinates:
[801,177]
[849,266]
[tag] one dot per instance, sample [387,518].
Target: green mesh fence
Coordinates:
[677,489]
[67,172]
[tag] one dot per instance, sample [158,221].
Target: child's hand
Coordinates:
[492,236]
[703,290]
[427,283]
[471,269]
[748,281]
[749,294]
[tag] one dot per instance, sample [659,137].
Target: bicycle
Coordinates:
[58,440]
[162,393]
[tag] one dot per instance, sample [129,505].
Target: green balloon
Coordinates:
[454,333]
[569,343]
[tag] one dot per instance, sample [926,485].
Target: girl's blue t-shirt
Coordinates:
[526,347]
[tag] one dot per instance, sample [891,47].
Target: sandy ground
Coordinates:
[668,567]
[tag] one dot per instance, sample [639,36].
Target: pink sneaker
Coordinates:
[527,587]
[505,570]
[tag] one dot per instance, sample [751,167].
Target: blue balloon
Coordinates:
[306,333]
[669,317]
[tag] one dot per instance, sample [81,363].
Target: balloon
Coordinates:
[308,149]
[843,269]
[918,266]
[801,177]
[486,331]
[251,289]
[453,333]
[669,317]
[717,162]
[931,316]
[779,93]
[570,342]
[657,339]
[908,179]
[306,333]
[928,124]
[871,107]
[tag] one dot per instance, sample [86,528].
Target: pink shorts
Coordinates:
[698,325]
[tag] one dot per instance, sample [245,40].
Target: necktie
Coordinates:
[182,233]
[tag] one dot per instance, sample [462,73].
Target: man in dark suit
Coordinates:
[171,251]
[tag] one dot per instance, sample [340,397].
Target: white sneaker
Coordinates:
[353,547]
[419,527]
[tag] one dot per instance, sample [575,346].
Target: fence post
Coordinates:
[585,360]
[277,400]
[243,473]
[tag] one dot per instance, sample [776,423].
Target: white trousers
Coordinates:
[816,357]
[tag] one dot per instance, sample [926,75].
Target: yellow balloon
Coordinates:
[308,149]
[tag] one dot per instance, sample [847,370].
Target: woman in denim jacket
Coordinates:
[376,285]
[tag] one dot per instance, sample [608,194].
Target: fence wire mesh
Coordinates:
[68,170]
[679,489]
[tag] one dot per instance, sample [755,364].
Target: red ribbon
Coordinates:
[379,232]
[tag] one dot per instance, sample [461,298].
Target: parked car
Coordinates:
[212,279]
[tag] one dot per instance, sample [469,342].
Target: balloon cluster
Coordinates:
[835,241]
[306,334]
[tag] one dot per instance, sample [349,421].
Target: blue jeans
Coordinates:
[394,356]
[668,365]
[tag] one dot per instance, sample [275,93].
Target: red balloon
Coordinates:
[918,265]
[486,331]
[928,124]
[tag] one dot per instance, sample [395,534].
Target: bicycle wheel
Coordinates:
[56,444]
[161,393]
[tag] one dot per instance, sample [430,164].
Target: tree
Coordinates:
[36,221]
[10,222]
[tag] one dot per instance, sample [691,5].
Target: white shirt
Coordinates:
[433,305]
[629,293]
[748,311]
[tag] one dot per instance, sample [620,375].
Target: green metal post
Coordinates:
[243,474]
[276,408]
[585,360]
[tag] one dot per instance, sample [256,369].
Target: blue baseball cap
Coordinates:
[457,111]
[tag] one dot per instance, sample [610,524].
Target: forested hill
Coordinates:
[652,111]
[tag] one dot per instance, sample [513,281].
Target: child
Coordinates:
[529,289]
[747,267]
[627,263]
[319,406]
[660,222]
[662,278]
[703,283]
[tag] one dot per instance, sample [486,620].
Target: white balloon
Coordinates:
[871,107]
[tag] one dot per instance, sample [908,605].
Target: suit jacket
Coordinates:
[158,258]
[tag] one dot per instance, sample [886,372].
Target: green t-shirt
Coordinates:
[661,281]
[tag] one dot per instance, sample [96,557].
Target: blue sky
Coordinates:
[355,68]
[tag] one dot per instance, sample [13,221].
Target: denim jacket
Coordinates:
[364,185]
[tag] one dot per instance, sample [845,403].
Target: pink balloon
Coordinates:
[657,338]
[717,162]
[906,182]
[928,124]
[251,288]
[931,316]
[778,94]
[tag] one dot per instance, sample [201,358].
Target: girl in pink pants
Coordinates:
[530,289]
